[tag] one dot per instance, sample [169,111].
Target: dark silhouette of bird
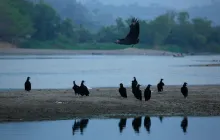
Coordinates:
[80,125]
[147,93]
[147,123]
[83,90]
[134,84]
[27,84]
[136,124]
[184,90]
[184,124]
[122,124]
[138,93]
[75,88]
[83,125]
[75,126]
[132,36]
[160,86]
[122,91]
[161,118]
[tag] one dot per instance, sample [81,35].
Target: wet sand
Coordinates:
[51,104]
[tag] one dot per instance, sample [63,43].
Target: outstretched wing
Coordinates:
[134,30]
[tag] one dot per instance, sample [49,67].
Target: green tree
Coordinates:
[13,24]
[46,22]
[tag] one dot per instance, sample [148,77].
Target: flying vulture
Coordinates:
[132,36]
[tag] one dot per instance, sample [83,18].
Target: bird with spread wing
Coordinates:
[132,36]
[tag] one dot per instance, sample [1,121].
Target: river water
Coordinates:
[151,128]
[57,71]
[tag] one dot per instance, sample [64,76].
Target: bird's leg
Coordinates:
[132,46]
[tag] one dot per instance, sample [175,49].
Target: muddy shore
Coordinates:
[52,104]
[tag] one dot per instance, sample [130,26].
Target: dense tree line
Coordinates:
[25,21]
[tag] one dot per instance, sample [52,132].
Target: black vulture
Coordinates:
[184,90]
[75,88]
[160,85]
[122,91]
[138,93]
[147,93]
[83,90]
[132,36]
[134,85]
[27,84]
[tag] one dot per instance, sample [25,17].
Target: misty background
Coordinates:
[96,13]
[173,25]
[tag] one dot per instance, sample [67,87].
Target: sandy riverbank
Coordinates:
[127,51]
[63,104]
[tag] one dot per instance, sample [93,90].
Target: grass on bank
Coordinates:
[57,44]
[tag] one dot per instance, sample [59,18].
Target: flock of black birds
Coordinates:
[147,92]
[83,90]
[136,124]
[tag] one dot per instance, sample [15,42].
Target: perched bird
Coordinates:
[184,90]
[83,90]
[147,93]
[138,93]
[27,84]
[132,36]
[122,91]
[160,85]
[75,88]
[134,84]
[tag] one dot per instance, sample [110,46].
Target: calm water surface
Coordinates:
[57,71]
[151,128]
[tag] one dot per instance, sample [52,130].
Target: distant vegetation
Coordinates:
[35,24]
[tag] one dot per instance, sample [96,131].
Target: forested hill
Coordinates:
[36,24]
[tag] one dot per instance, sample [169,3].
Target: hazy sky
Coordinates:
[170,3]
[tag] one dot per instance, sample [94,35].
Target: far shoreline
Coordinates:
[127,51]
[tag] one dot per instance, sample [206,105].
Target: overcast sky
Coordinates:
[170,3]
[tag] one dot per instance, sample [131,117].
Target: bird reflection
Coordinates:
[136,123]
[184,124]
[80,125]
[122,124]
[147,123]
[161,118]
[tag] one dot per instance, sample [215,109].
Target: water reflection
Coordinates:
[147,123]
[122,124]
[80,125]
[161,118]
[136,123]
[145,127]
[184,124]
